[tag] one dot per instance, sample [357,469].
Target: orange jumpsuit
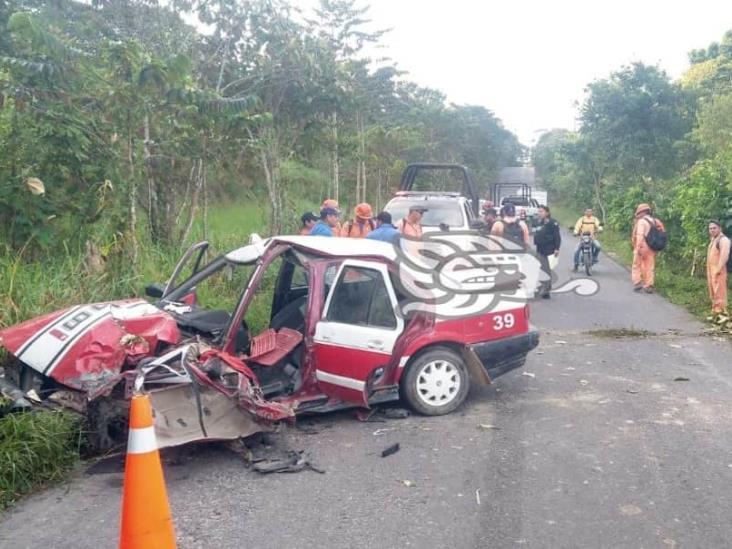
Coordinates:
[717,255]
[356,228]
[644,259]
[409,229]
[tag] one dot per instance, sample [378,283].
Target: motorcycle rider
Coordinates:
[588,223]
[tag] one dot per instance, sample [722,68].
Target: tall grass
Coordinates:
[35,448]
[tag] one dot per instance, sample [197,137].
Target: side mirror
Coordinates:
[154,290]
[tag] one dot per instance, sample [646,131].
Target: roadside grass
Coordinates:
[673,276]
[38,448]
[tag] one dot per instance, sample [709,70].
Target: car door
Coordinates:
[357,330]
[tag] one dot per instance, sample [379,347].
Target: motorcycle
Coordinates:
[585,255]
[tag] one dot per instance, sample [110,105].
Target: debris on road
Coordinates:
[583,382]
[293,463]
[396,413]
[681,378]
[632,391]
[408,483]
[393,449]
[528,374]
[487,427]
[560,342]
[380,432]
[477,496]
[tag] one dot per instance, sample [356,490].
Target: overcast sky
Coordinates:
[529,61]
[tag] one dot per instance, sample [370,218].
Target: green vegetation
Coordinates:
[673,278]
[645,138]
[126,134]
[35,448]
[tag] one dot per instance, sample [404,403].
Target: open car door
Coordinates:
[356,334]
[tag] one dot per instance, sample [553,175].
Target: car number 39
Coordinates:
[504,321]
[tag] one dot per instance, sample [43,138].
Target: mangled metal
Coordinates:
[336,337]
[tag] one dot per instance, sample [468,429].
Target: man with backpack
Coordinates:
[718,265]
[648,238]
[362,223]
[510,227]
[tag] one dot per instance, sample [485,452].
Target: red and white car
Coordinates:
[329,334]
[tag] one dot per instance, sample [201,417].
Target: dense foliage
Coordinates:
[122,121]
[646,138]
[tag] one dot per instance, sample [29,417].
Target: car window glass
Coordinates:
[439,211]
[361,297]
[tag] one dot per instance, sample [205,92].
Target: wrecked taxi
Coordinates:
[274,329]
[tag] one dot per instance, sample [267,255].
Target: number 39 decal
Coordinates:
[504,321]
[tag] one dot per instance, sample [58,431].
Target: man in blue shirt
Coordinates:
[385,230]
[328,220]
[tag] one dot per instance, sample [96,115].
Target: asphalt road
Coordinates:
[599,447]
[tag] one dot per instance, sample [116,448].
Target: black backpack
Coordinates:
[657,239]
[513,232]
[729,259]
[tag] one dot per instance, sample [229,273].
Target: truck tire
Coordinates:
[436,382]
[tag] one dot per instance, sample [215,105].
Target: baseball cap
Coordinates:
[508,209]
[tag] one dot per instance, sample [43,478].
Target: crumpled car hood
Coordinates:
[85,347]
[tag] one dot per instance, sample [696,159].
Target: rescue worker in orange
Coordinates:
[330,203]
[412,224]
[717,257]
[362,223]
[644,258]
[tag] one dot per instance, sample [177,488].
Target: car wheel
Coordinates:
[436,382]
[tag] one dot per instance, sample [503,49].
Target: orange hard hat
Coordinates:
[330,203]
[363,211]
[642,208]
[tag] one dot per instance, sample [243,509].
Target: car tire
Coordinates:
[436,382]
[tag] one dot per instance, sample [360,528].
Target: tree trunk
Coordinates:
[599,196]
[335,160]
[270,160]
[132,197]
[197,185]
[153,204]
[362,158]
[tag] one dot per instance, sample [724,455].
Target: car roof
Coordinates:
[320,245]
[404,196]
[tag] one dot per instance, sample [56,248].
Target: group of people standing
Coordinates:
[547,239]
[363,224]
[513,227]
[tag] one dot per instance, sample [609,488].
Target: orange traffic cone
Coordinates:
[146,520]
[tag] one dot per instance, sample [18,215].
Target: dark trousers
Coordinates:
[546,286]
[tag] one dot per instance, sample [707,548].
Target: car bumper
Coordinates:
[504,355]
